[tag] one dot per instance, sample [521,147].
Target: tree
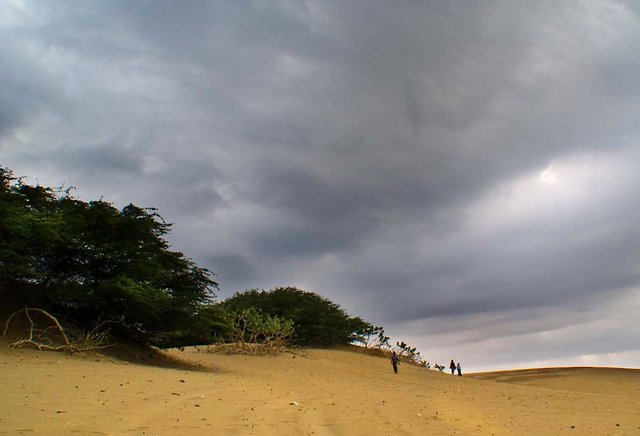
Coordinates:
[372,337]
[255,332]
[91,261]
[317,320]
[409,353]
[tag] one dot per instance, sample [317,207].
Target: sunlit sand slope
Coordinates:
[320,392]
[611,381]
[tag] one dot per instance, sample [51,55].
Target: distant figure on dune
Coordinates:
[394,362]
[452,366]
[459,370]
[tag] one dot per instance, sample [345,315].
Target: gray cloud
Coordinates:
[25,89]
[415,162]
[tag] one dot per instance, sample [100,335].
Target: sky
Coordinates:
[464,174]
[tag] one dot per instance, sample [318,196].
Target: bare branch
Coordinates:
[94,339]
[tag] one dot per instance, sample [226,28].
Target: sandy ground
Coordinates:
[318,392]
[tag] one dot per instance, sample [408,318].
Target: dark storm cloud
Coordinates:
[233,268]
[24,88]
[400,157]
[109,157]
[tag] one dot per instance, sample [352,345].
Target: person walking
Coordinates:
[394,362]
[452,366]
[459,370]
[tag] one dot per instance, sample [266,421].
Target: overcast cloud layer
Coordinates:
[463,173]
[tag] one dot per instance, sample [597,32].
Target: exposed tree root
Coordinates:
[72,340]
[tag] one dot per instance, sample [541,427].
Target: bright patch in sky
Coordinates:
[549,176]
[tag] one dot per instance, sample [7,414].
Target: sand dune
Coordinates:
[319,392]
[609,381]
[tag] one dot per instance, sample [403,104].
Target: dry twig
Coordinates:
[43,339]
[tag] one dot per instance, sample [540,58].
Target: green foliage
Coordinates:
[317,320]
[409,354]
[91,261]
[371,336]
[254,324]
[255,332]
[210,324]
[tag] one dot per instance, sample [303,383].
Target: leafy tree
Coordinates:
[371,336]
[317,320]
[209,324]
[409,353]
[255,332]
[91,261]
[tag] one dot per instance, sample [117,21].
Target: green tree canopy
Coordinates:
[90,261]
[317,320]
